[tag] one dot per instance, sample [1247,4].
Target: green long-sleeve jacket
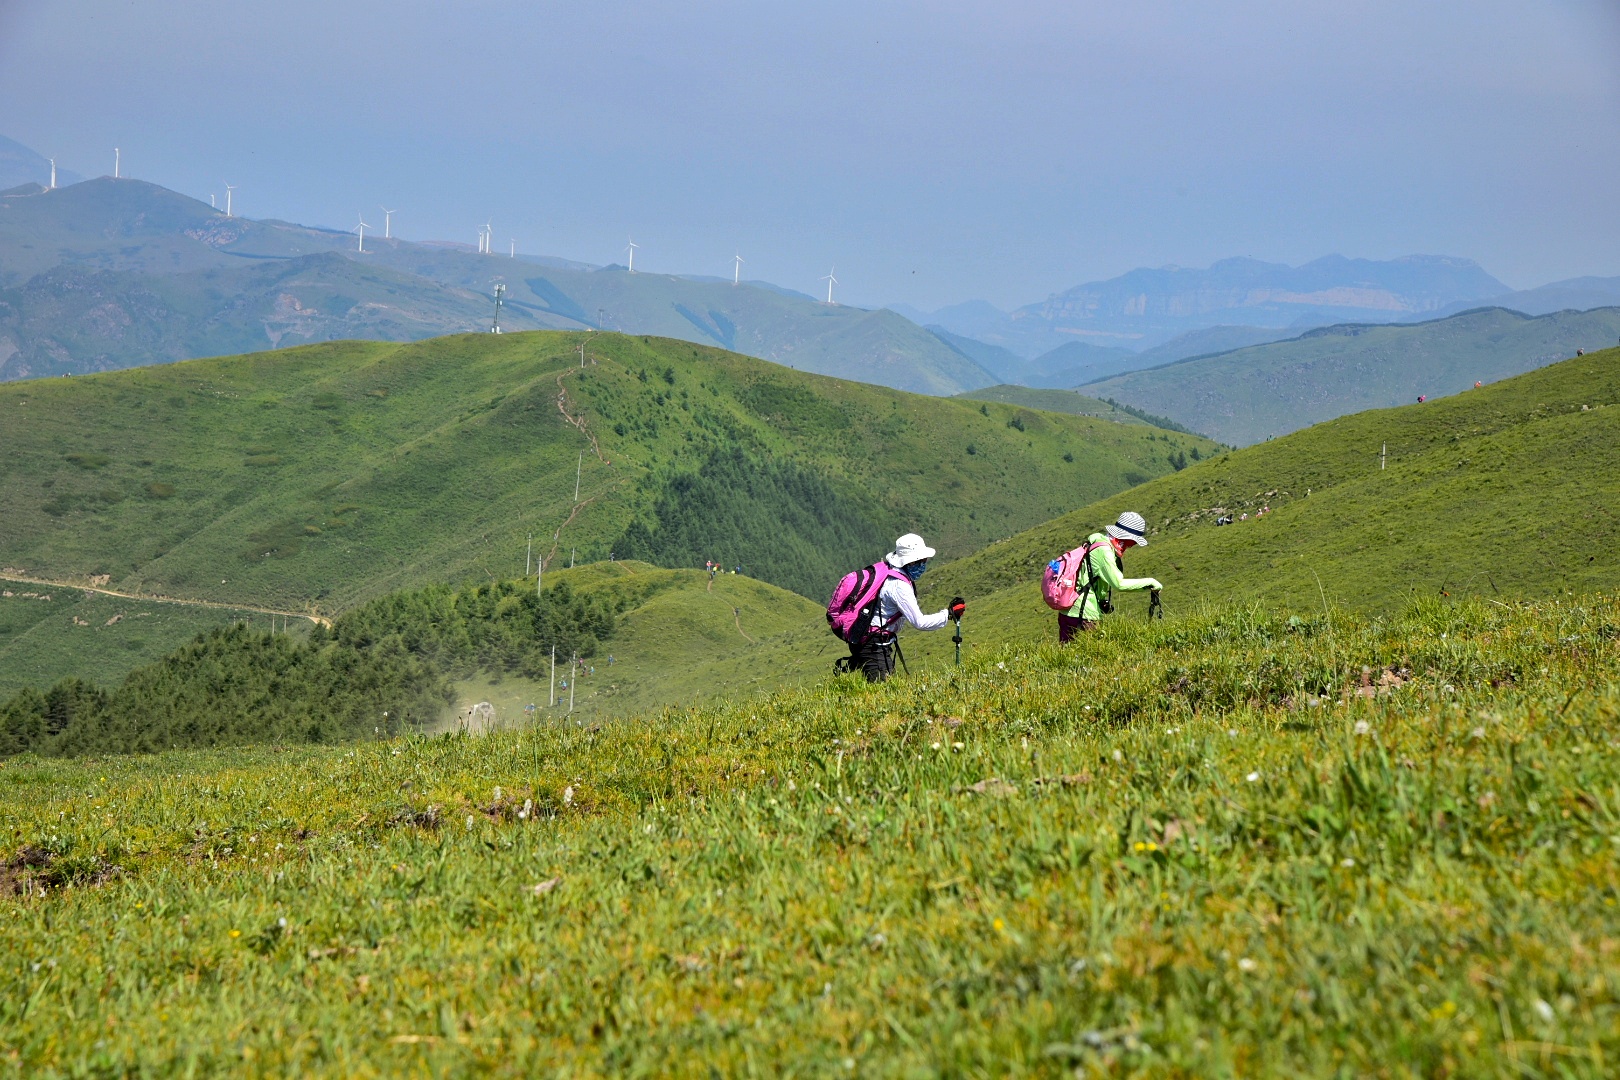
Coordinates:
[1103,562]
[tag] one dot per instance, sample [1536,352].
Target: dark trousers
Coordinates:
[873,658]
[1069,626]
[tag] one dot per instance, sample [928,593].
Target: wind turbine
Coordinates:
[632,250]
[514,249]
[228,189]
[361,229]
[53,174]
[736,271]
[115,162]
[388,216]
[831,281]
[489,237]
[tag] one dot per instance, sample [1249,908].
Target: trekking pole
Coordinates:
[958,639]
[1155,606]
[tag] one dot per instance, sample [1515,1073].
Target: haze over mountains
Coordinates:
[106,274]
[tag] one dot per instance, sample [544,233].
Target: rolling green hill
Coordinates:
[312,479]
[111,274]
[1506,492]
[1252,394]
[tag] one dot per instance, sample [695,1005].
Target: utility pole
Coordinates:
[577,473]
[573,677]
[571,558]
[553,704]
[528,556]
[500,291]
[581,354]
[1382,453]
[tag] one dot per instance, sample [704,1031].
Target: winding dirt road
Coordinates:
[318,620]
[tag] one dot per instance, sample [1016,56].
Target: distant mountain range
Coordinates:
[21,165]
[107,274]
[1248,395]
[1150,307]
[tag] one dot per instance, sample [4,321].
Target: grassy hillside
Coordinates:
[1505,492]
[118,273]
[1227,845]
[315,478]
[1070,401]
[1252,394]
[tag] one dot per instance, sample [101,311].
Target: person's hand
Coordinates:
[1153,584]
[957,606]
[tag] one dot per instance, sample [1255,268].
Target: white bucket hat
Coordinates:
[1130,526]
[907,550]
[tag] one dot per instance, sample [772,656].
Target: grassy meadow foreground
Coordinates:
[1227,843]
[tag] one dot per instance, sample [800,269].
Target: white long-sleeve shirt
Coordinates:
[898,599]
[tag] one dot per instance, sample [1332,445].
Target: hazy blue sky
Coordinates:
[932,151]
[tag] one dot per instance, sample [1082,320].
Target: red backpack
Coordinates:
[855,601]
[1060,584]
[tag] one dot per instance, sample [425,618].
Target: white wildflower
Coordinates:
[1246,964]
[1347,862]
[568,795]
[1362,727]
[1544,1010]
[1119,755]
[1252,777]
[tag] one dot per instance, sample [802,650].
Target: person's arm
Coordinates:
[905,599]
[1102,560]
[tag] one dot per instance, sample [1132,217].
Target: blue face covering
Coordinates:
[915,570]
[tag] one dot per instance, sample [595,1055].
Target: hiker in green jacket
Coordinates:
[1105,573]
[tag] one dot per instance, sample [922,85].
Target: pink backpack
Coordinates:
[855,601]
[1060,584]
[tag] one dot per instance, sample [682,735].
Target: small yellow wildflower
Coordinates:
[236,933]
[1139,846]
[999,925]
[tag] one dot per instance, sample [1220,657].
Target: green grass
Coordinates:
[1507,491]
[1252,394]
[317,478]
[1196,848]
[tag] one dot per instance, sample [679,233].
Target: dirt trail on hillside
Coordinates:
[318,620]
[581,424]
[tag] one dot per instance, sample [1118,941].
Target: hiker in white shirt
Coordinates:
[897,600]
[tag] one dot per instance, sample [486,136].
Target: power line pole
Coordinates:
[577,472]
[573,677]
[553,704]
[1382,453]
[528,556]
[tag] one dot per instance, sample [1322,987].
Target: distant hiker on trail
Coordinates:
[867,606]
[1080,584]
